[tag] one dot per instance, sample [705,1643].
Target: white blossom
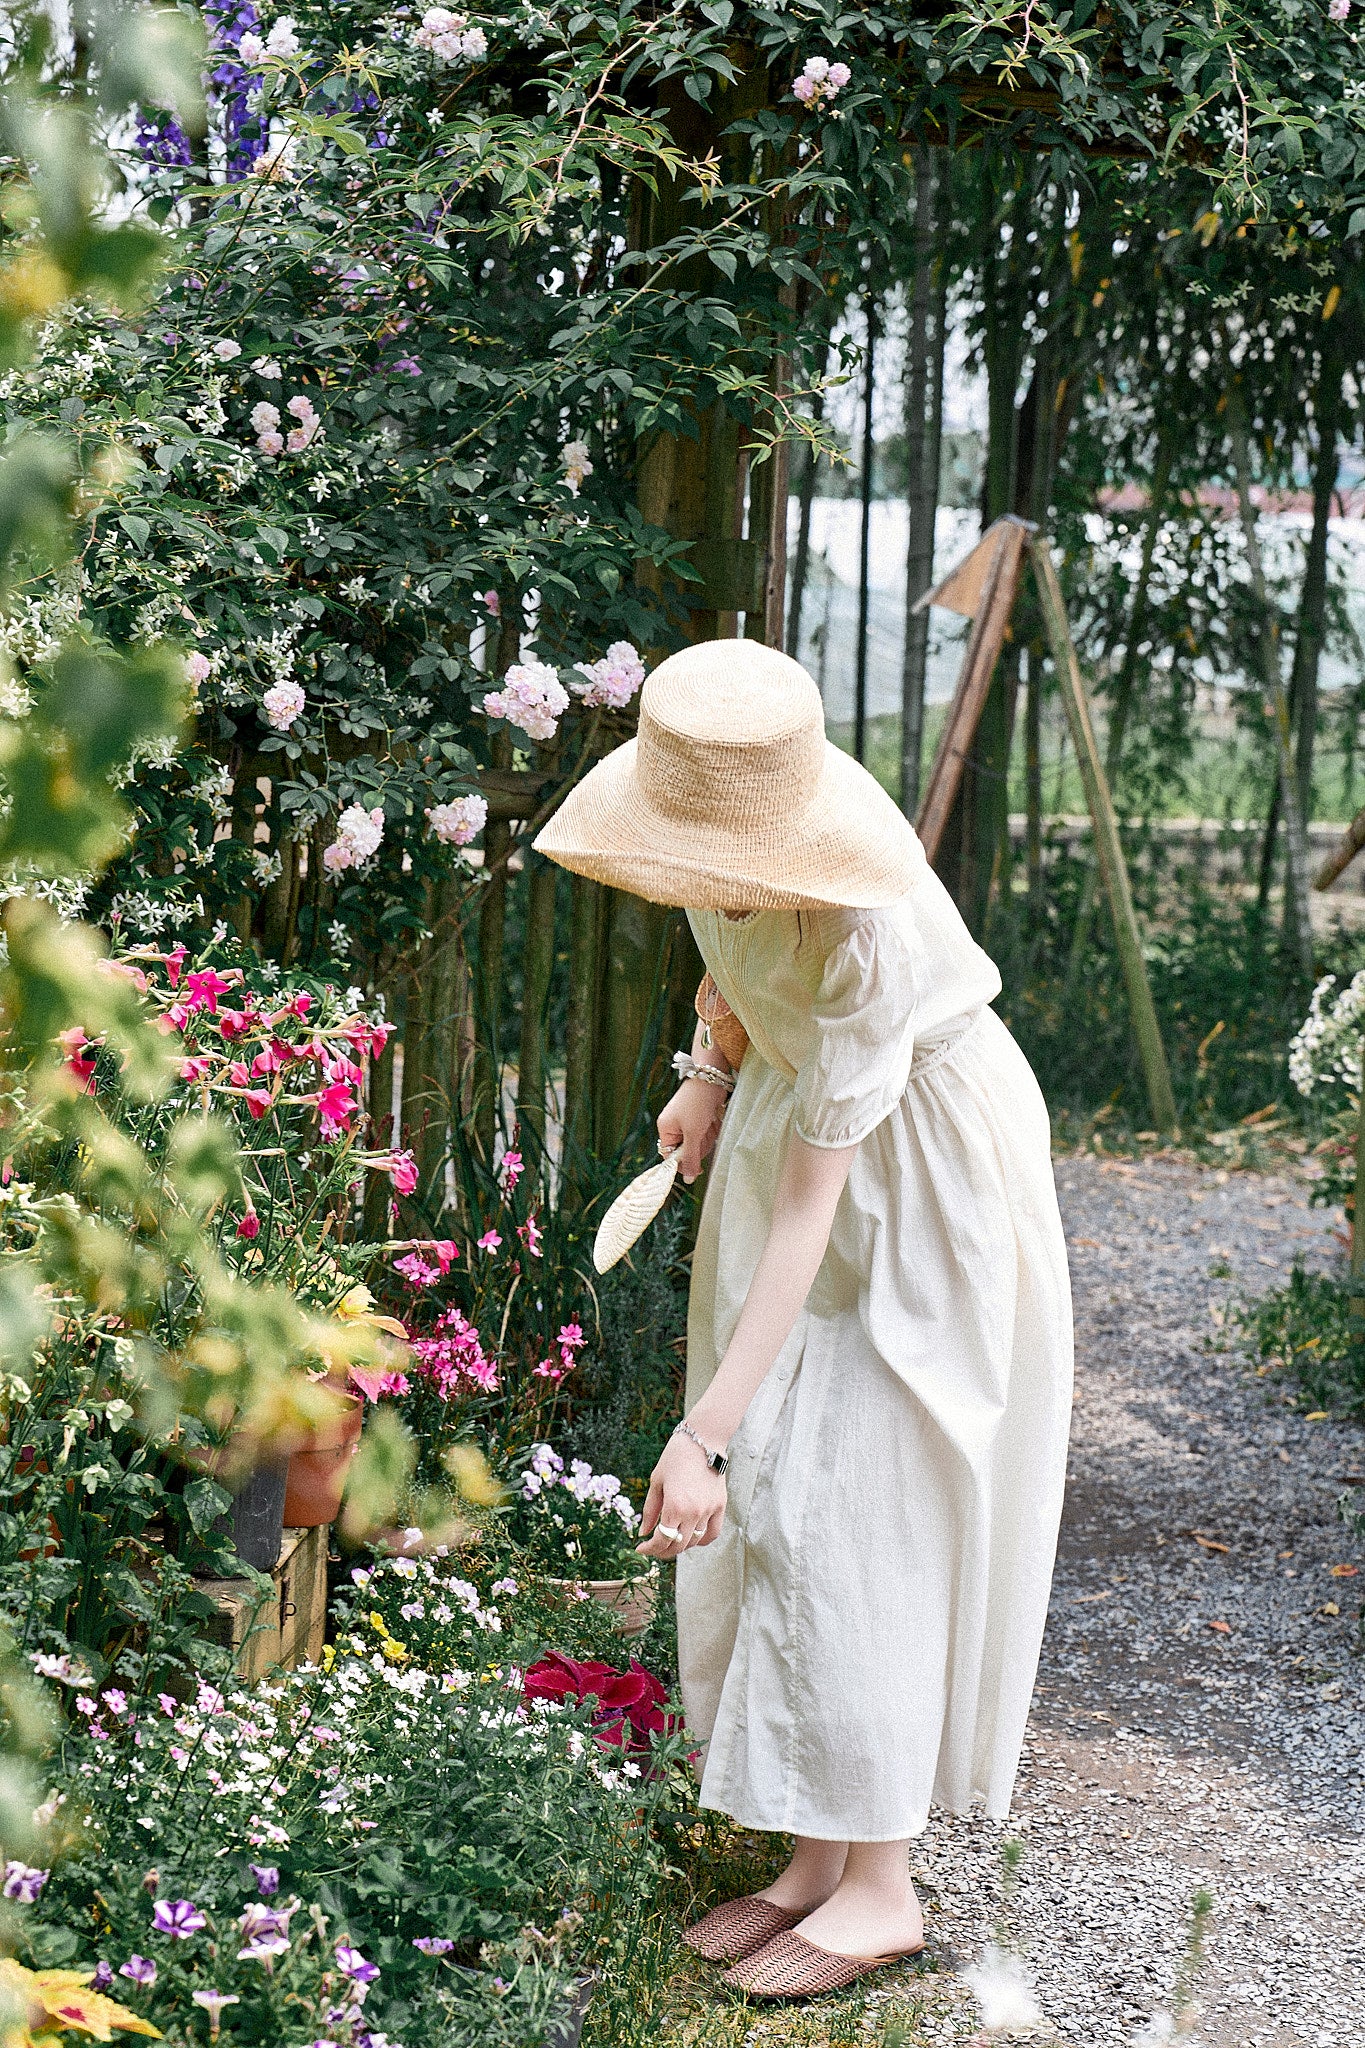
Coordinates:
[1004,1990]
[282,704]
[574,457]
[456,823]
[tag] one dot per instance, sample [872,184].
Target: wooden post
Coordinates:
[1342,854]
[923,439]
[983,589]
[1357,1294]
[588,901]
[1113,869]
[537,966]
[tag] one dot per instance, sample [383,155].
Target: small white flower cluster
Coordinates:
[614,679]
[282,704]
[1326,1049]
[574,457]
[358,835]
[819,81]
[449,37]
[532,698]
[1004,1991]
[546,1469]
[265,425]
[279,41]
[459,821]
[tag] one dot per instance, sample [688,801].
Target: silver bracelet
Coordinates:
[717,1460]
[688,1069]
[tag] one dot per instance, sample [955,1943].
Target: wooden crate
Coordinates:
[285,1626]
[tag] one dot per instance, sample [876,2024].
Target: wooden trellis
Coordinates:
[983,588]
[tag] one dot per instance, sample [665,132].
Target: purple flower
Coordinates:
[178,1918]
[115,1700]
[103,1977]
[267,1878]
[23,1883]
[409,365]
[352,1964]
[266,1932]
[141,1969]
[433,1944]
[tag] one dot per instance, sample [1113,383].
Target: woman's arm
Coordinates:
[684,1494]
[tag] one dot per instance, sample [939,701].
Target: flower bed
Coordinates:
[417,1844]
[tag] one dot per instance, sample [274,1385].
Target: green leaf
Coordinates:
[136,527]
[205,1500]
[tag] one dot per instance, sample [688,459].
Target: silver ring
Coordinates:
[699,1532]
[673,1535]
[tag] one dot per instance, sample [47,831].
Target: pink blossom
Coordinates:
[270,443]
[493,603]
[233,1023]
[197,667]
[80,1053]
[258,1101]
[272,1058]
[614,679]
[401,1167]
[454,1352]
[548,1370]
[197,1069]
[298,1005]
[415,1270]
[531,698]
[203,989]
[250,1225]
[175,960]
[531,1236]
[1339,10]
[456,823]
[490,1241]
[238,1075]
[284,702]
[335,1106]
[511,1171]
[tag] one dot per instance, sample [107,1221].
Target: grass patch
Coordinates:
[1305,1335]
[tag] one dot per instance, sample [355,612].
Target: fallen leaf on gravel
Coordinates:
[1329,1608]
[1318,1415]
[1093,1243]
[1224,1628]
[1082,1599]
[1345,1571]
[1208,1543]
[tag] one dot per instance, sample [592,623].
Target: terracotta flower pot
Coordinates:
[317,1474]
[632,1601]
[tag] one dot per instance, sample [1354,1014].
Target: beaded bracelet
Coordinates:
[688,1069]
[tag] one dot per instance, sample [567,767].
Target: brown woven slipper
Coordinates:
[737,1928]
[792,1967]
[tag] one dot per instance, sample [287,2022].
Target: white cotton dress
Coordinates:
[861,1640]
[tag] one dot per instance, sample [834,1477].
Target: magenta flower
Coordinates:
[203,989]
[115,1700]
[258,1101]
[178,1918]
[531,1236]
[197,1069]
[401,1168]
[415,1270]
[141,1969]
[512,1170]
[490,1241]
[250,1225]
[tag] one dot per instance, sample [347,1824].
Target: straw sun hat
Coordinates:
[731,797]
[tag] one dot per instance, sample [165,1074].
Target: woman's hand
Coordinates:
[690,1123]
[685,1496]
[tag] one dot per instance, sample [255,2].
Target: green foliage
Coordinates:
[1308,1342]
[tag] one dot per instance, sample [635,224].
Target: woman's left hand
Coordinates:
[686,1499]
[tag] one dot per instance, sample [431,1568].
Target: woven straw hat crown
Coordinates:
[731,798]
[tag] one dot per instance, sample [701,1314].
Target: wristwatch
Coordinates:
[717,1460]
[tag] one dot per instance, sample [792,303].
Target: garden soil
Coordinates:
[1201,1697]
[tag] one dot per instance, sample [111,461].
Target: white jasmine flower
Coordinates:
[574,457]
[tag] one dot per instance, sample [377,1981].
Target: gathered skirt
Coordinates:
[862,1639]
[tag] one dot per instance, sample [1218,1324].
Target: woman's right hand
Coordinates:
[690,1124]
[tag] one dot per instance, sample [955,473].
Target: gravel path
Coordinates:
[1200,1710]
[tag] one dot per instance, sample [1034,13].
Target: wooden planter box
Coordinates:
[285,1626]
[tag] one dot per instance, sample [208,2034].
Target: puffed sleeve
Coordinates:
[864,1037]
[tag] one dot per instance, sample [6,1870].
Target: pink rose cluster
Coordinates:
[614,679]
[532,698]
[820,81]
[459,821]
[282,704]
[358,835]
[449,37]
[453,1357]
[265,425]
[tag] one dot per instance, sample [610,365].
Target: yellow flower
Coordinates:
[395,1652]
[358,1305]
[38,2005]
[378,1621]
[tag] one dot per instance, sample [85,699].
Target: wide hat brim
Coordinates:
[849,844]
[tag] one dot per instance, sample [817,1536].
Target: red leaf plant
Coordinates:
[630,1704]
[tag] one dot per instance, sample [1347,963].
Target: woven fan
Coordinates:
[633,1211]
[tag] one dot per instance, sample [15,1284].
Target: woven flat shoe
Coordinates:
[792,1967]
[737,1928]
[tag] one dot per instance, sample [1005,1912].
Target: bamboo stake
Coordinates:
[1298,917]
[537,966]
[1357,1294]
[1108,847]
[580,1030]
[1342,854]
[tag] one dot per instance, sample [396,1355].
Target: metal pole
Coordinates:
[864,549]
